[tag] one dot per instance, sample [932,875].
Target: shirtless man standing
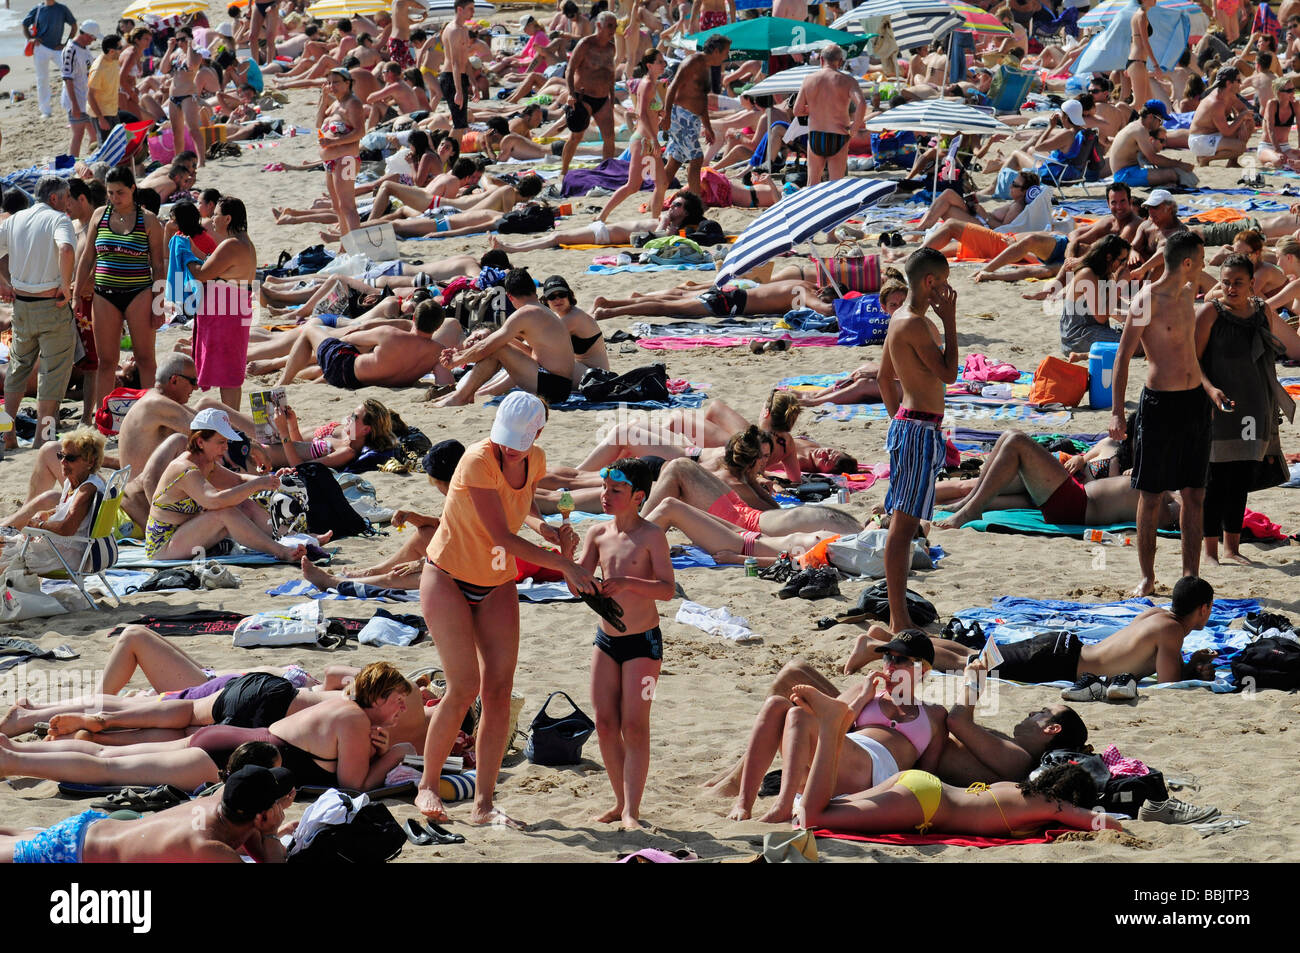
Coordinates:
[836,110]
[1171,448]
[453,82]
[247,816]
[1221,126]
[686,110]
[914,357]
[382,356]
[545,367]
[590,76]
[1137,141]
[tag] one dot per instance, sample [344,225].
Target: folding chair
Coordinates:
[100,552]
[1074,168]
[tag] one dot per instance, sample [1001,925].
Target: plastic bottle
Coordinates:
[1103,536]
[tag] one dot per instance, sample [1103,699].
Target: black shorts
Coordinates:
[633,645]
[255,700]
[1050,657]
[553,388]
[726,302]
[336,359]
[1171,440]
[459,114]
[655,464]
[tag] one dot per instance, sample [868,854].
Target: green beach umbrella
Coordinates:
[760,38]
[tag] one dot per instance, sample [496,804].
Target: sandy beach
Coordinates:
[1239,749]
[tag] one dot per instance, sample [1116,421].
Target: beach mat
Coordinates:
[964,409]
[131,555]
[1032,522]
[950,840]
[620,269]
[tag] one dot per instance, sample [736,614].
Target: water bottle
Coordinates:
[1104,536]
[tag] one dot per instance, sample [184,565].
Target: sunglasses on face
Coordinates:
[898,661]
[194,381]
[68,457]
[615,474]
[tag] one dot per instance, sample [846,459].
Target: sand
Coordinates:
[1241,749]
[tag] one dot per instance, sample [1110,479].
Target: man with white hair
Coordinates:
[37,256]
[836,110]
[590,76]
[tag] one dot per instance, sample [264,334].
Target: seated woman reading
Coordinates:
[335,444]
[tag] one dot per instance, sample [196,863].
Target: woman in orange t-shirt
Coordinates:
[468,594]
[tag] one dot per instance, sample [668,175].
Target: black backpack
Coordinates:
[1268,663]
[874,601]
[532,218]
[328,510]
[637,385]
[707,232]
[373,836]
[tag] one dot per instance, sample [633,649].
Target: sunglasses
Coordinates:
[898,661]
[615,474]
[1017,185]
[194,381]
[66,456]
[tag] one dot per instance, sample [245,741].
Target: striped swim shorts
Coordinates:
[916,455]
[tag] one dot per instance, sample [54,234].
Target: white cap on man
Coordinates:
[1158,197]
[1074,110]
[90,27]
[519,418]
[213,419]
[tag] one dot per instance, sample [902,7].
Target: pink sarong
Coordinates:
[221,330]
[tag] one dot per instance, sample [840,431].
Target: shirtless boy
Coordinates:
[1171,449]
[914,357]
[453,82]
[246,817]
[632,554]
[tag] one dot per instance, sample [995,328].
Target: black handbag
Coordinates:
[558,741]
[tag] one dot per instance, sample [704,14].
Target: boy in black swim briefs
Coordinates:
[632,554]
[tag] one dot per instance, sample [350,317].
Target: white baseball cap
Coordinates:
[1074,109]
[519,418]
[213,419]
[1158,197]
[91,27]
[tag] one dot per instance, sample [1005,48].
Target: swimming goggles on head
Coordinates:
[615,474]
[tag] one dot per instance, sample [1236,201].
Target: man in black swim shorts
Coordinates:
[834,106]
[336,358]
[725,302]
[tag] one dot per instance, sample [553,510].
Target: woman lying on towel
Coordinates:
[328,744]
[1020,473]
[915,800]
[199,504]
[693,299]
[687,433]
[685,211]
[734,494]
[168,670]
[334,444]
[66,511]
[888,725]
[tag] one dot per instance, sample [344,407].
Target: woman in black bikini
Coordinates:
[264,25]
[118,261]
[1279,119]
[182,63]
[1139,54]
[328,744]
[588,342]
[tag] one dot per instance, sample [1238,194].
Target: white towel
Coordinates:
[718,621]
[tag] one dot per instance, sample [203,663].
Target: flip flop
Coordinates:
[606,608]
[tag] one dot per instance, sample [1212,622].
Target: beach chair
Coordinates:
[1009,89]
[1079,166]
[100,552]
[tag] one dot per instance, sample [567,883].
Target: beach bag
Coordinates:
[328,509]
[22,599]
[1125,794]
[861,320]
[532,218]
[1058,382]
[895,147]
[113,409]
[638,385]
[478,306]
[1268,663]
[298,625]
[863,554]
[874,602]
[558,741]
[338,829]
[377,242]
[852,269]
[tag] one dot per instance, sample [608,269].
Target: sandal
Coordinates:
[143,800]
[440,835]
[606,608]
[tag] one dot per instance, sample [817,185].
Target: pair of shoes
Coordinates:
[760,346]
[970,634]
[779,571]
[422,835]
[1093,688]
[1258,622]
[1174,811]
[795,583]
[824,582]
[891,239]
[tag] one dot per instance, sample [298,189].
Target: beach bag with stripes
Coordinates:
[852,269]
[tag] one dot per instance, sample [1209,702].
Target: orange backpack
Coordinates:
[1058,382]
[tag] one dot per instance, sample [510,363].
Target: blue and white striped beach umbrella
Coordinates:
[796,219]
[889,8]
[938,115]
[1108,10]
